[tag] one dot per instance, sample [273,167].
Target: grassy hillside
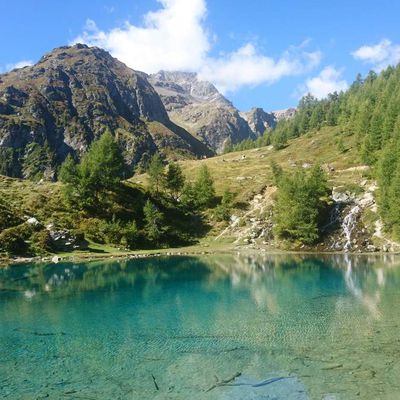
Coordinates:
[248,172]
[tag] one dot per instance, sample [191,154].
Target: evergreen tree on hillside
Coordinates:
[175,180]
[224,209]
[153,222]
[301,203]
[155,173]
[204,187]
[86,185]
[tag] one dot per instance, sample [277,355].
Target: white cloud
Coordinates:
[175,38]
[19,64]
[328,81]
[248,67]
[172,38]
[380,55]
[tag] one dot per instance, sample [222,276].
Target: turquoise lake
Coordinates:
[215,327]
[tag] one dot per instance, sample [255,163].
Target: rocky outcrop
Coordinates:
[68,99]
[259,121]
[354,225]
[284,114]
[198,107]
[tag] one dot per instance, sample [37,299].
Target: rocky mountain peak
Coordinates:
[286,113]
[259,120]
[188,85]
[197,106]
[69,98]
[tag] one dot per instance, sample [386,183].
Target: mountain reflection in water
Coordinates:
[324,326]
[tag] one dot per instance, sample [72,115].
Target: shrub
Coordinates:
[41,242]
[131,235]
[224,210]
[13,241]
[95,229]
[8,217]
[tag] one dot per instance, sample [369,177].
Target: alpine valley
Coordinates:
[97,157]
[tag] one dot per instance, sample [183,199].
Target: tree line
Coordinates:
[369,110]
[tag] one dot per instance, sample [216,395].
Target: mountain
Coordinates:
[69,98]
[285,114]
[259,120]
[198,107]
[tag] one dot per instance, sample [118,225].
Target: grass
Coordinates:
[248,172]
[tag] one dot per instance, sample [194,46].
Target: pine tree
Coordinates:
[300,205]
[155,173]
[175,180]
[279,139]
[224,209]
[204,188]
[153,222]
[100,171]
[189,197]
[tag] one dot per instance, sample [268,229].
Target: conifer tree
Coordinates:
[175,180]
[100,171]
[204,188]
[153,222]
[155,173]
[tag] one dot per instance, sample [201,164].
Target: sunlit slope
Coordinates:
[248,172]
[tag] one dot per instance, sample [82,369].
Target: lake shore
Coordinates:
[201,249]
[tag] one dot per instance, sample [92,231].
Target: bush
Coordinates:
[112,232]
[131,235]
[224,210]
[95,229]
[8,217]
[41,242]
[13,241]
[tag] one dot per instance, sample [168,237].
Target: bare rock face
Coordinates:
[69,98]
[259,121]
[198,107]
[284,114]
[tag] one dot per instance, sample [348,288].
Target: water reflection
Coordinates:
[363,277]
[102,329]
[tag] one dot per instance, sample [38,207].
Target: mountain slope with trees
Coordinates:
[68,99]
[327,179]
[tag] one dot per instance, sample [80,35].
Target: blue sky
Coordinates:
[259,53]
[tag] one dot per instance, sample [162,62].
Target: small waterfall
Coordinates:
[348,225]
[334,215]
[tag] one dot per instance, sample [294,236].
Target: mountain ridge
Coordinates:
[199,107]
[71,96]
[59,105]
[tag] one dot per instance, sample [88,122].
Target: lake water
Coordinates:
[178,328]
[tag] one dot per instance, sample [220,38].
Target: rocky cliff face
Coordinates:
[349,228]
[259,121]
[68,99]
[199,107]
[286,113]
